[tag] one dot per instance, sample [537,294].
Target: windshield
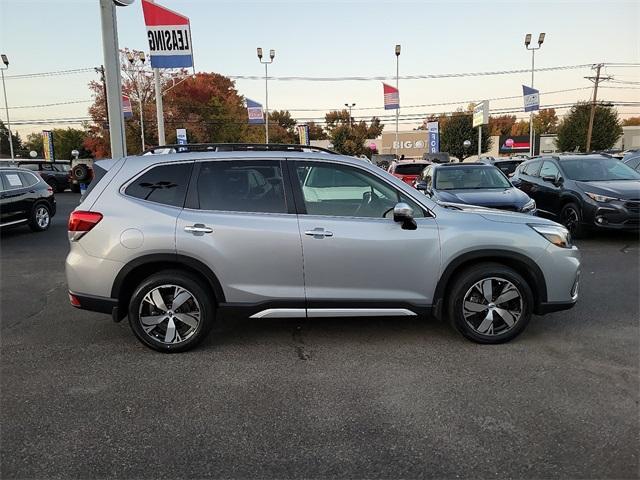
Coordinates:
[463,178]
[62,167]
[410,168]
[598,169]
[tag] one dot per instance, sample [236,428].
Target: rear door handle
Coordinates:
[198,229]
[319,232]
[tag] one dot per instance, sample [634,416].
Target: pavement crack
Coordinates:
[45,305]
[300,347]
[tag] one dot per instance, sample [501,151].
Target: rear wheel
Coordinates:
[40,218]
[171,312]
[571,218]
[490,303]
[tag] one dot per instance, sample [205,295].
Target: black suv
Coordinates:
[583,191]
[25,198]
[56,174]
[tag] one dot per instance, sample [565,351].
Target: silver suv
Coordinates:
[173,241]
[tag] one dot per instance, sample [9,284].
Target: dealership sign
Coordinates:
[514,144]
[169,35]
[434,137]
[531,98]
[481,114]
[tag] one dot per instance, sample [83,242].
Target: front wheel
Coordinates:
[571,218]
[490,303]
[40,218]
[171,312]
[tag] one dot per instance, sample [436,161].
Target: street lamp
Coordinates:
[398,89]
[350,106]
[5,61]
[137,59]
[266,63]
[465,145]
[527,44]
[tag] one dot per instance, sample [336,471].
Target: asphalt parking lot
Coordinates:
[384,398]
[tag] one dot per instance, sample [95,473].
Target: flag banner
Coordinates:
[127,111]
[254,110]
[531,98]
[181,136]
[434,137]
[303,133]
[391,97]
[169,35]
[47,143]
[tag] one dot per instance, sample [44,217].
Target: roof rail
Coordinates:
[236,147]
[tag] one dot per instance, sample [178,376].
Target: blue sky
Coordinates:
[335,38]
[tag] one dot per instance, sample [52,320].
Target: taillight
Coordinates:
[81,222]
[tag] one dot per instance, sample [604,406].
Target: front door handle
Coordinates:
[198,229]
[319,232]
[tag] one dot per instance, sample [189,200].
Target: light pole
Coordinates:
[137,59]
[350,106]
[266,63]
[5,61]
[112,75]
[527,44]
[398,89]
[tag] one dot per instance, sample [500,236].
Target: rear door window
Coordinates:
[253,186]
[28,179]
[13,180]
[165,184]
[532,168]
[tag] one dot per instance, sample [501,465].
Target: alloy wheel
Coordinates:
[169,314]
[492,306]
[570,219]
[42,217]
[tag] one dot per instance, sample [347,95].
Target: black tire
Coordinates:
[40,217]
[571,218]
[75,188]
[202,300]
[81,173]
[465,281]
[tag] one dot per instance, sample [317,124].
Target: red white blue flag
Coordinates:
[254,110]
[127,111]
[169,35]
[391,97]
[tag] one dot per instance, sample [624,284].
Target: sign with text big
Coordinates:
[481,114]
[169,35]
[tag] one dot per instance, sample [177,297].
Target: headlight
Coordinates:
[600,198]
[556,234]
[530,205]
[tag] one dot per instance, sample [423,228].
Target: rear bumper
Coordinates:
[92,302]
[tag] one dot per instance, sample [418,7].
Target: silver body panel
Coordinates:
[265,257]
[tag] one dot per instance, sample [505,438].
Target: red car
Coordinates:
[408,170]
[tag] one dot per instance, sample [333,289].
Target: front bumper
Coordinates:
[615,215]
[561,270]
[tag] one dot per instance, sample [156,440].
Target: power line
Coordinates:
[43,105]
[51,74]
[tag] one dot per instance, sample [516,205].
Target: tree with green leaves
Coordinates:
[282,127]
[347,136]
[572,131]
[5,151]
[457,128]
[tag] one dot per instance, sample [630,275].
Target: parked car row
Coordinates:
[60,175]
[25,199]
[580,191]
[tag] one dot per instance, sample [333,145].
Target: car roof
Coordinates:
[463,164]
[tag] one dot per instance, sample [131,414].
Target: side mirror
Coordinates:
[421,185]
[403,213]
[549,178]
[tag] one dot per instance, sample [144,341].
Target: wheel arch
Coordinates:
[138,269]
[522,264]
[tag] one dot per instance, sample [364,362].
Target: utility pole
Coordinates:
[592,115]
[350,106]
[266,63]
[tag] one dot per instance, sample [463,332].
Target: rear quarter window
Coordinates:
[165,184]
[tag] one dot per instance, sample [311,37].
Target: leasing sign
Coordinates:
[169,35]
